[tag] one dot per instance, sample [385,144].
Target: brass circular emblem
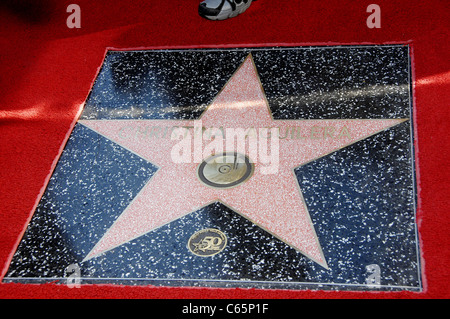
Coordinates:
[207,242]
[225,170]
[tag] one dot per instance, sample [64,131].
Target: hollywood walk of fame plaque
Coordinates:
[282,167]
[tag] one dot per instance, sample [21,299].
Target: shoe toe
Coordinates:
[215,9]
[206,11]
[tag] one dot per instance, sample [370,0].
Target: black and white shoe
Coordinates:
[222,9]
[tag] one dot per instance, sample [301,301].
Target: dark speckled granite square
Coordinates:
[361,199]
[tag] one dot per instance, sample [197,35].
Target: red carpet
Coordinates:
[47,71]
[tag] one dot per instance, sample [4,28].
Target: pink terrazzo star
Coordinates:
[274,202]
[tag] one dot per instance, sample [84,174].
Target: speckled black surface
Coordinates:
[361,198]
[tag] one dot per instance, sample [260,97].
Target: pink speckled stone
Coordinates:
[272,201]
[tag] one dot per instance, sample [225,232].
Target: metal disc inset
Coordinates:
[225,170]
[207,242]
